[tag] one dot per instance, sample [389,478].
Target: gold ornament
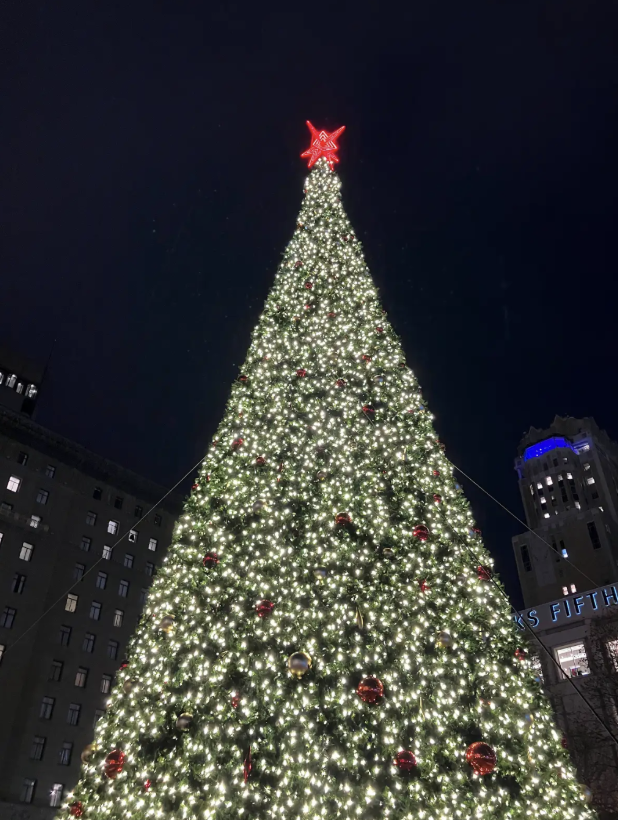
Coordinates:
[444,639]
[129,685]
[166,624]
[184,721]
[320,573]
[299,663]
[87,752]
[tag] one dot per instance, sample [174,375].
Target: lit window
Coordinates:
[35,520]
[26,551]
[133,536]
[570,476]
[64,636]
[118,617]
[65,753]
[573,588]
[106,684]
[31,391]
[78,572]
[22,458]
[543,501]
[584,448]
[149,568]
[97,493]
[20,388]
[47,708]
[112,650]
[539,485]
[42,496]
[578,506]
[55,671]
[95,610]
[123,589]
[91,518]
[81,676]
[549,481]
[573,660]
[55,795]
[37,748]
[565,590]
[532,489]
[19,582]
[107,552]
[101,581]
[71,602]
[590,480]
[612,650]
[50,471]
[565,554]
[7,618]
[73,714]
[546,515]
[10,382]
[152,544]
[14,484]
[27,790]
[112,527]
[85,543]
[587,465]
[2,651]
[88,642]
[128,560]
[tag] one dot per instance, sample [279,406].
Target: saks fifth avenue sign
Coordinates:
[564,611]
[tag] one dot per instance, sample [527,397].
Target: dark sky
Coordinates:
[150,180]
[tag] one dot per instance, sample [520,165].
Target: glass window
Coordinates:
[525,558]
[101,581]
[55,795]
[88,642]
[42,496]
[107,552]
[37,748]
[123,588]
[594,535]
[50,471]
[7,618]
[95,610]
[6,507]
[97,493]
[612,651]
[14,484]
[112,650]
[549,480]
[65,753]
[91,518]
[112,527]
[590,479]
[47,708]
[118,617]
[573,659]
[27,790]
[152,544]
[565,590]
[85,543]
[133,536]
[78,572]
[157,520]
[573,588]
[31,391]
[71,602]
[106,684]
[128,560]
[55,670]
[139,511]
[539,485]
[73,714]
[535,665]
[26,551]
[22,458]
[64,636]
[10,381]
[81,676]
[118,502]
[143,595]
[98,714]
[19,582]
[35,520]
[149,568]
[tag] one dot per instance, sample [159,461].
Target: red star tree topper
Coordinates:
[322,145]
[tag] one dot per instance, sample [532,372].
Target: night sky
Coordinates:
[150,181]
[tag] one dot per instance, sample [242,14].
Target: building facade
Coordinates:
[79,545]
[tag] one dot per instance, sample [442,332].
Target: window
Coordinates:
[543,501]
[587,465]
[7,618]
[594,495]
[97,493]
[78,571]
[573,588]
[42,496]
[55,670]
[546,515]
[64,636]
[27,790]
[71,602]
[594,535]
[73,714]
[152,544]
[133,536]
[128,560]
[22,458]
[31,391]
[35,520]
[55,795]
[6,507]
[107,552]
[564,553]
[532,489]
[26,551]
[112,527]
[95,610]
[139,511]
[570,476]
[37,748]
[14,484]
[143,595]
[85,543]
[1,536]
[565,590]
[590,480]
[50,471]
[66,751]
[157,520]
[118,616]
[578,506]
[81,676]
[612,651]
[106,684]
[47,708]
[112,650]
[539,485]
[91,518]
[118,502]
[525,558]
[573,660]
[19,582]
[123,589]
[535,665]
[88,642]
[549,480]
[98,714]
[149,568]
[101,581]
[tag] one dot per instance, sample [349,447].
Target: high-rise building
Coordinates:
[69,598]
[568,478]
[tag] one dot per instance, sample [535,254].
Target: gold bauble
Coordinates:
[166,624]
[444,639]
[87,752]
[299,663]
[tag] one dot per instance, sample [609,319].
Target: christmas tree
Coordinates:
[326,638]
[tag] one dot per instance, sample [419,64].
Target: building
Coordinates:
[71,592]
[567,565]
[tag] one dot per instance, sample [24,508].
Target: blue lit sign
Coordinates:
[556,612]
[537,450]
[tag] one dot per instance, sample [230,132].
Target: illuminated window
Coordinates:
[55,795]
[573,588]
[612,651]
[543,501]
[106,684]
[107,552]
[35,520]
[118,617]
[10,382]
[539,485]
[27,790]
[590,480]
[31,391]
[112,527]
[570,476]
[565,590]
[14,484]
[587,465]
[549,481]
[565,554]
[81,676]
[546,515]
[152,544]
[532,489]
[573,660]
[26,552]
[70,604]
[578,506]
[133,536]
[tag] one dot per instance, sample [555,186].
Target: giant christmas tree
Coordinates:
[325,638]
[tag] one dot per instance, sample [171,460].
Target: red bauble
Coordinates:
[323,144]
[308,285]
[476,532]
[260,461]
[210,560]
[308,306]
[124,664]
[437,498]
[298,263]
[484,573]
[76,809]
[147,785]
[340,382]
[520,654]
[264,608]
[366,358]
[195,486]
[379,329]
[247,765]
[436,473]
[208,477]
[343,519]
[369,411]
[238,443]
[402,365]
[242,379]
[235,700]
[423,586]
[370,690]
[421,532]
[114,764]
[301,373]
[481,757]
[331,315]
[405,761]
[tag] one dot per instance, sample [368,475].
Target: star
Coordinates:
[322,145]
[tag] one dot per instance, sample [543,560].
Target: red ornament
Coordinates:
[242,379]
[248,765]
[331,315]
[260,461]
[481,757]
[308,285]
[369,411]
[421,532]
[423,586]
[147,785]
[208,477]
[340,382]
[210,560]
[405,761]
[343,519]
[301,373]
[437,498]
[475,531]
[124,664]
[484,573]
[298,264]
[564,742]
[366,358]
[114,764]
[379,330]
[237,443]
[264,608]
[195,487]
[370,690]
[76,809]
[308,306]
[235,700]
[436,473]
[520,654]
[322,145]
